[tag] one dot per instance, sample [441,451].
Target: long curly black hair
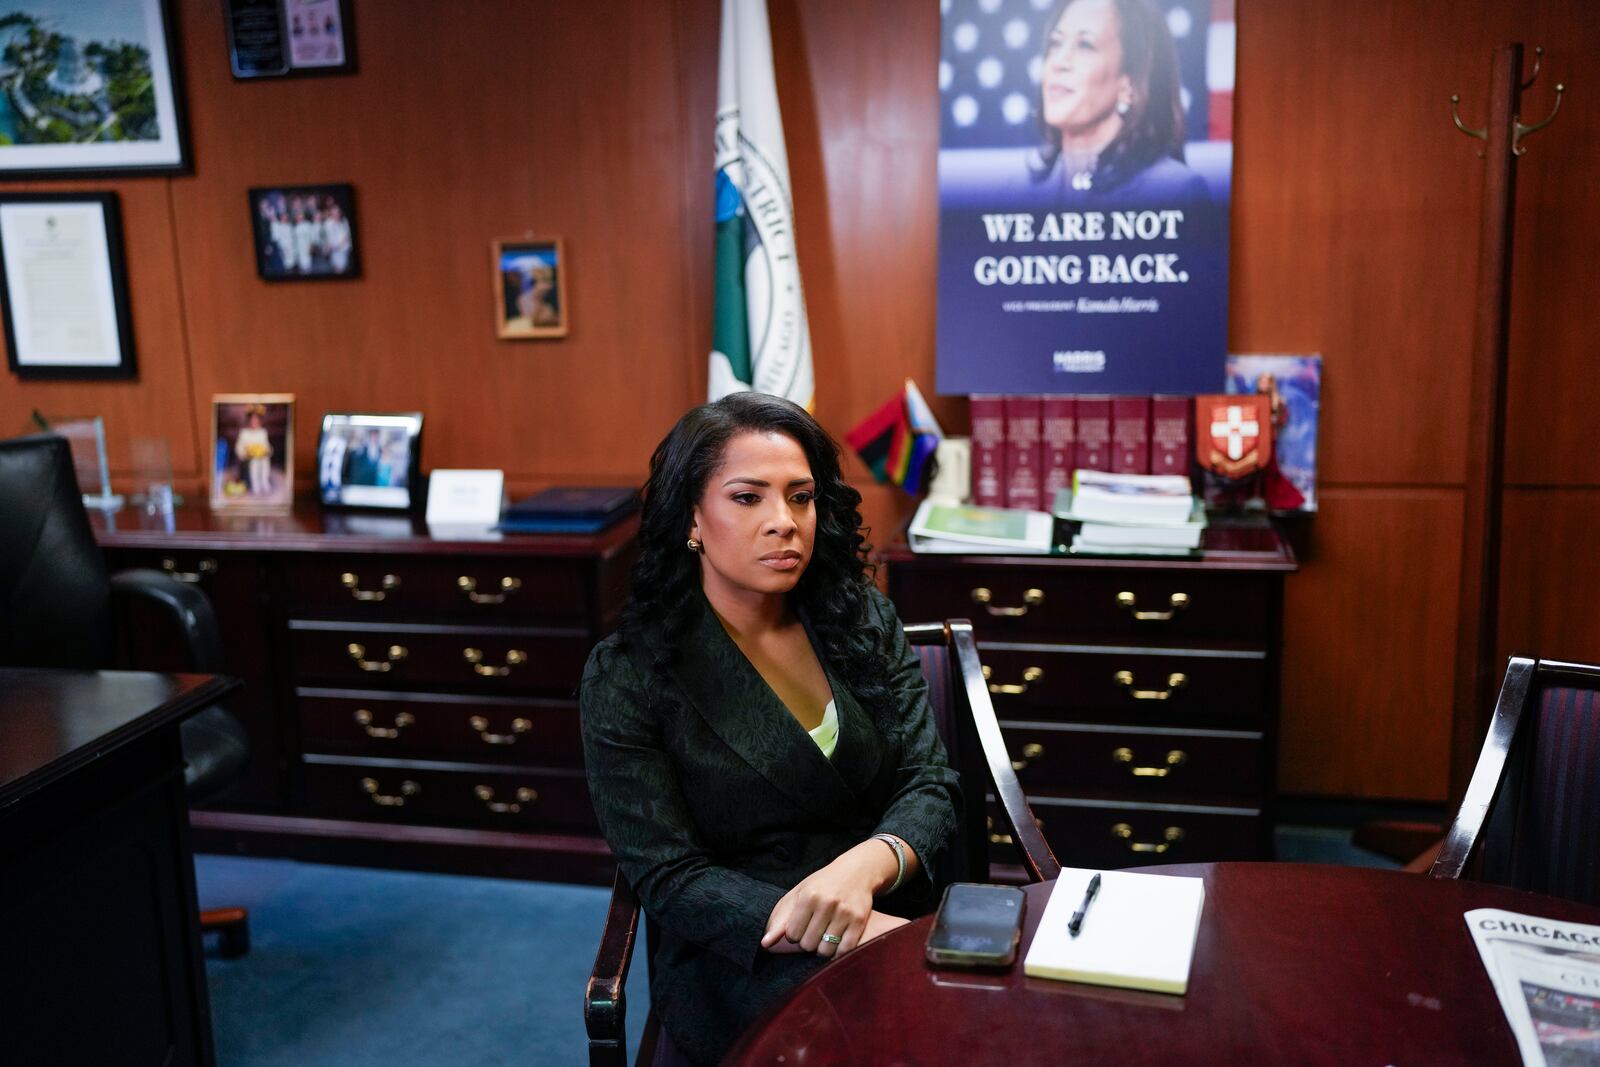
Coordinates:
[1153,127]
[666,601]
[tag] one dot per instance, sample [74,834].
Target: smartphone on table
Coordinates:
[977,926]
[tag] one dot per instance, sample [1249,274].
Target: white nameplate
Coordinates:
[465,498]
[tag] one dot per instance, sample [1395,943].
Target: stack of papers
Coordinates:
[1547,975]
[1139,932]
[1132,513]
[962,529]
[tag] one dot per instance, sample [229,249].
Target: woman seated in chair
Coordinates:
[760,749]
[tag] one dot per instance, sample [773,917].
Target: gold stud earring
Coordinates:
[694,546]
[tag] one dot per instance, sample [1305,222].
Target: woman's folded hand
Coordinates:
[830,912]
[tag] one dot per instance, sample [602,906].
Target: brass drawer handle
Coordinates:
[1179,601]
[1175,758]
[402,719]
[1032,598]
[352,582]
[1029,676]
[1175,682]
[505,807]
[381,666]
[1007,839]
[1169,837]
[514,658]
[469,586]
[1030,752]
[481,724]
[205,567]
[408,789]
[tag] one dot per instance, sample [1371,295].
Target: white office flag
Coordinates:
[760,339]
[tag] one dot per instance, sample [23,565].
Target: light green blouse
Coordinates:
[826,735]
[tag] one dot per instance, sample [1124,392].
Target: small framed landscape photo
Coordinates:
[369,460]
[305,232]
[530,287]
[252,451]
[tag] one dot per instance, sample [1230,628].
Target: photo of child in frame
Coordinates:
[252,448]
[530,288]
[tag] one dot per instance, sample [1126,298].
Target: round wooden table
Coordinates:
[1295,963]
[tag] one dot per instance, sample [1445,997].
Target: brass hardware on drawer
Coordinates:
[408,788]
[505,807]
[1029,676]
[402,719]
[1175,682]
[1030,752]
[1175,758]
[469,586]
[352,582]
[1169,837]
[1179,601]
[1007,839]
[359,654]
[481,724]
[205,567]
[1032,598]
[514,658]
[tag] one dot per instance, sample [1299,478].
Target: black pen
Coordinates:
[1076,922]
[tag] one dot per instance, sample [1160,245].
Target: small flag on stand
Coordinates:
[897,440]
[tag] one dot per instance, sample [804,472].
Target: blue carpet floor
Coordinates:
[360,967]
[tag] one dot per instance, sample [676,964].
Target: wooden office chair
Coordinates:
[964,715]
[1531,814]
[60,608]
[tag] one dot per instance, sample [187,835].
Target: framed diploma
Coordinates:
[100,94]
[275,38]
[64,297]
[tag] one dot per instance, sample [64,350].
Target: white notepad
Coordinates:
[1138,934]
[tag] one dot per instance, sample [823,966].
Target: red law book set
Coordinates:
[1024,448]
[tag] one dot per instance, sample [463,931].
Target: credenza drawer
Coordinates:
[470,587]
[445,794]
[1022,602]
[1142,761]
[1170,686]
[476,659]
[1094,833]
[429,726]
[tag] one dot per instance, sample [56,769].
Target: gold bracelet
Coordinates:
[899,847]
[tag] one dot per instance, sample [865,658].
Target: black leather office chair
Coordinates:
[59,610]
[958,694]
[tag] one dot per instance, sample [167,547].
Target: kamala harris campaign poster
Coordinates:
[1085,166]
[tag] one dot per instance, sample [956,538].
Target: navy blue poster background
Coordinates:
[1069,263]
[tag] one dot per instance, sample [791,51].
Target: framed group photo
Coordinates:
[530,287]
[64,297]
[369,460]
[305,232]
[252,450]
[91,87]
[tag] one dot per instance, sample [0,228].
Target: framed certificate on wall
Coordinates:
[65,294]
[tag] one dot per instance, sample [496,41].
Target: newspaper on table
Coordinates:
[1547,975]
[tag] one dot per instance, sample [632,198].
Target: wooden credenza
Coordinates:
[1138,697]
[410,699]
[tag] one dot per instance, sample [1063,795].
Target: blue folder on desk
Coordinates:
[570,509]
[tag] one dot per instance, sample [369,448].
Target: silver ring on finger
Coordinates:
[832,939]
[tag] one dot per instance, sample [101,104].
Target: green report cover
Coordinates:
[995,524]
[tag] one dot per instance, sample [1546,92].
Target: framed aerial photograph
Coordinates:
[64,300]
[90,87]
[279,38]
[530,288]
[305,232]
[369,460]
[252,451]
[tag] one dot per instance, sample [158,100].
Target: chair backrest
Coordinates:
[1531,814]
[958,693]
[54,589]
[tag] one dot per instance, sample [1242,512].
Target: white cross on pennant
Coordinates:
[1235,429]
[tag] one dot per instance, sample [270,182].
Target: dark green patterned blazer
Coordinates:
[716,801]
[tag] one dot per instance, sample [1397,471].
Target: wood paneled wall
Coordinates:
[1355,223]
